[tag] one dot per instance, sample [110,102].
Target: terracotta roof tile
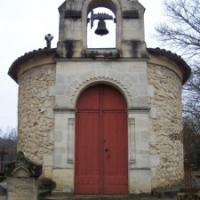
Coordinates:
[154,51]
[174,57]
[15,65]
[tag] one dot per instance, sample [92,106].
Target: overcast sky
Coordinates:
[23,26]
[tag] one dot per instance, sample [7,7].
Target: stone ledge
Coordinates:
[107,53]
[64,196]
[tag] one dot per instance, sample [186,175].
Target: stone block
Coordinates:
[61,101]
[47,172]
[59,136]
[142,160]
[60,79]
[48,160]
[64,179]
[151,90]
[130,27]
[140,181]
[60,89]
[58,162]
[22,189]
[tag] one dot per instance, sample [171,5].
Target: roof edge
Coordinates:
[12,72]
[174,57]
[153,51]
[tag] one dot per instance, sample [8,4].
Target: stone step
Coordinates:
[92,197]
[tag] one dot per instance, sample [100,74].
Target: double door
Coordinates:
[101,154]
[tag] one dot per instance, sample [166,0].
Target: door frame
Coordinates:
[139,167]
[101,112]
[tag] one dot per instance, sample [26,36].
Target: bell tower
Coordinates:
[123,67]
[129,19]
[100,119]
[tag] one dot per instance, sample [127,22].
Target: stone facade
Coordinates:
[42,114]
[35,108]
[72,77]
[51,80]
[166,145]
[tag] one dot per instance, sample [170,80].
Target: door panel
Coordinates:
[88,163]
[112,99]
[101,165]
[115,153]
[89,100]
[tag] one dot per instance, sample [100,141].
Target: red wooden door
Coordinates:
[101,158]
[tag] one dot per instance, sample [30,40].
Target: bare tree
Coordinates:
[8,147]
[182,32]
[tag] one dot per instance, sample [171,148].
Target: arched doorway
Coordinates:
[101,147]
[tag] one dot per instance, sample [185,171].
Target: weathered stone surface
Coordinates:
[3,197]
[35,127]
[49,89]
[22,189]
[166,140]
[39,135]
[22,168]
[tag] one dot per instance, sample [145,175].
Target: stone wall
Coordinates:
[166,146]
[37,119]
[22,189]
[35,111]
[129,77]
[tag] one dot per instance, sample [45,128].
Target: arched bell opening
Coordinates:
[101,33]
[101,24]
[102,3]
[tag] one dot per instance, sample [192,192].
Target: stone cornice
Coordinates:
[13,71]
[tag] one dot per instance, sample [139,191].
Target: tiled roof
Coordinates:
[153,51]
[174,57]
[15,65]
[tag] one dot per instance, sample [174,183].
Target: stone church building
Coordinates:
[102,120]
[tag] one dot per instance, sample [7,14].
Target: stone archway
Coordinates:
[76,86]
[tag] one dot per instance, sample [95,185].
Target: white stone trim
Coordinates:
[88,80]
[131,142]
[138,147]
[130,78]
[64,139]
[70,140]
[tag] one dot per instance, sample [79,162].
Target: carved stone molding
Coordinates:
[70,141]
[77,87]
[132,142]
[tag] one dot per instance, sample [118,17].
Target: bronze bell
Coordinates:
[101,29]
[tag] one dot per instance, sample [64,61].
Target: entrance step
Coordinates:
[93,197]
